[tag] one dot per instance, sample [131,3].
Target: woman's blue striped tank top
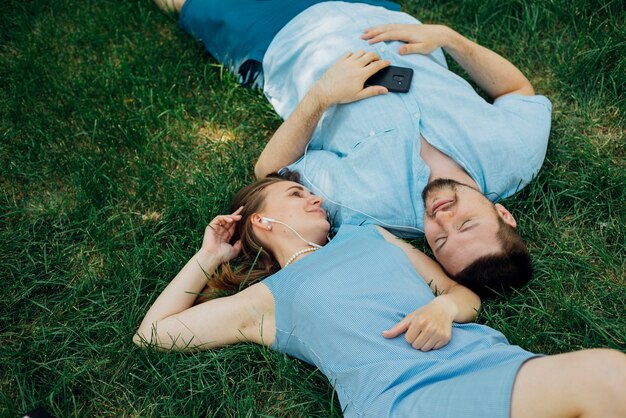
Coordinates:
[331,309]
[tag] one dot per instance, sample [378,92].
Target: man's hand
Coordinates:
[494,74]
[343,81]
[420,39]
[427,328]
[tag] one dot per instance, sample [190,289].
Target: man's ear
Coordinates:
[505,215]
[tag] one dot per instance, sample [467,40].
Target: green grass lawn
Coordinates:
[121,138]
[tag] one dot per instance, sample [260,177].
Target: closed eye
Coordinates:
[465,228]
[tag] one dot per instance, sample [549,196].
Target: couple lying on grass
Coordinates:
[388,326]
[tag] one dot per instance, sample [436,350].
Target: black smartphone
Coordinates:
[396,79]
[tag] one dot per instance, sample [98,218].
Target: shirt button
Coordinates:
[417,115]
[383,49]
[372,133]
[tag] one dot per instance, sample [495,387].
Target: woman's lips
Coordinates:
[320,211]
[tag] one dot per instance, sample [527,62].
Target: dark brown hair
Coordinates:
[499,273]
[254,262]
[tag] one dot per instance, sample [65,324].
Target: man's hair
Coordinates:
[498,273]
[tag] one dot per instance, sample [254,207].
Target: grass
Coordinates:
[121,139]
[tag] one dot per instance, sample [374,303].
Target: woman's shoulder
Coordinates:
[258,293]
[353,229]
[259,313]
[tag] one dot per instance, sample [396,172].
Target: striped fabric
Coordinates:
[331,309]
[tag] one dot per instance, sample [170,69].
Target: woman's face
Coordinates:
[295,205]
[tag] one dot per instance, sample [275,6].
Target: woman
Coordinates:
[327,303]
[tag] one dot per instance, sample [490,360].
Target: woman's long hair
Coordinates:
[254,262]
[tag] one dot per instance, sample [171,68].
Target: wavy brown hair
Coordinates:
[254,262]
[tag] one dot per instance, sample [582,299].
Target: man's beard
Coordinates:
[441,184]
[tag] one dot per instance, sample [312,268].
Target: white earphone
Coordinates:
[267,221]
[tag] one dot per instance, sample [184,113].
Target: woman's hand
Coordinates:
[217,237]
[343,81]
[420,39]
[427,328]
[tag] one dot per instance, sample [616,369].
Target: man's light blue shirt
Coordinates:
[364,157]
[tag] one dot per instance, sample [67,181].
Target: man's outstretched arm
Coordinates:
[494,74]
[341,83]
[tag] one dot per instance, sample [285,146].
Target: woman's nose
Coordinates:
[315,200]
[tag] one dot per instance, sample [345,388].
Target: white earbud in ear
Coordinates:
[266,221]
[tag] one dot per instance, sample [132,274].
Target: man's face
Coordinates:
[460,223]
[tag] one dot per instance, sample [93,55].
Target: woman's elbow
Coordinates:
[149,338]
[140,340]
[146,337]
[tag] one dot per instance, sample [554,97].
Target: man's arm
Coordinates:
[492,73]
[430,327]
[289,141]
[341,83]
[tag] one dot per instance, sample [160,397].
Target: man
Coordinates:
[372,159]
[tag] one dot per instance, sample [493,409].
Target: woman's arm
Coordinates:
[174,323]
[213,324]
[341,83]
[494,74]
[430,327]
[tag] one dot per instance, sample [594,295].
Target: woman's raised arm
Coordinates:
[174,323]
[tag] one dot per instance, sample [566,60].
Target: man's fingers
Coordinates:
[428,344]
[422,340]
[375,66]
[358,54]
[389,35]
[433,341]
[396,330]
[369,57]
[381,37]
[370,33]
[371,91]
[419,48]
[440,344]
